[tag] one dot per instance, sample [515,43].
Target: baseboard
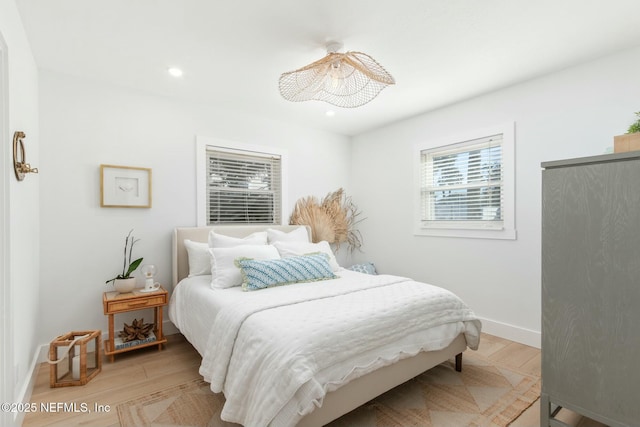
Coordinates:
[168,328]
[24,395]
[511,332]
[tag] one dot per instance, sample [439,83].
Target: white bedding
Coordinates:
[276,352]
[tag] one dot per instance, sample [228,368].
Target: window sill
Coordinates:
[504,234]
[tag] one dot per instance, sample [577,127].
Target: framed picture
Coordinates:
[125,187]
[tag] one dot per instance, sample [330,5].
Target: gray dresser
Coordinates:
[591,289]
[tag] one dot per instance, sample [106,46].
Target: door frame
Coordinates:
[7,385]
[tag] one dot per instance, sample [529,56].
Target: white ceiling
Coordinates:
[233,52]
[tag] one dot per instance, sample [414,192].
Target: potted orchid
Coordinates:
[123,282]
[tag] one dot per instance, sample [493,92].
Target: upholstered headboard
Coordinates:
[201,234]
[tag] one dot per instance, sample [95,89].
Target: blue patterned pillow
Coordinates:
[365,267]
[261,274]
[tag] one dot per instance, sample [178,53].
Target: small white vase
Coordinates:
[124,285]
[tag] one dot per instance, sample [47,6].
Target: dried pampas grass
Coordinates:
[332,219]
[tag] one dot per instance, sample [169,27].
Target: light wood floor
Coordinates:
[144,371]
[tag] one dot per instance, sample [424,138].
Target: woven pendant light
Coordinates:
[346,80]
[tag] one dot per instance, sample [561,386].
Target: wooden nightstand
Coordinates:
[114,303]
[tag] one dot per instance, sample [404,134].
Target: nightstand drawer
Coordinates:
[136,304]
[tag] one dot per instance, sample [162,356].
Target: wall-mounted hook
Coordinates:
[20,166]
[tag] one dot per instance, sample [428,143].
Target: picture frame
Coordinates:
[125,187]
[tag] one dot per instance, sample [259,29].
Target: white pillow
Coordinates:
[199,258]
[217,240]
[225,273]
[287,249]
[300,234]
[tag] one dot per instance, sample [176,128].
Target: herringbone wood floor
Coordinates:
[144,371]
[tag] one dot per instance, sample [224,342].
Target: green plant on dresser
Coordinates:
[630,141]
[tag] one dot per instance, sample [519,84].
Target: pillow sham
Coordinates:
[262,274]
[224,272]
[365,267]
[199,258]
[287,249]
[217,240]
[300,234]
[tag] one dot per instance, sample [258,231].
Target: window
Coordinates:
[241,185]
[466,186]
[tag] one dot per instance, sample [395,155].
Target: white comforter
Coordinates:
[275,353]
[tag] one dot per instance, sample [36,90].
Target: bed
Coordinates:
[276,355]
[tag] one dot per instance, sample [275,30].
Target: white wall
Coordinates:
[84,124]
[572,113]
[23,211]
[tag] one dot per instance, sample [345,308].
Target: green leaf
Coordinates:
[133,266]
[635,127]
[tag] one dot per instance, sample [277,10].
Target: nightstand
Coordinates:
[115,303]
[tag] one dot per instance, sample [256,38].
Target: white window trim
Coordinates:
[204,142]
[508,231]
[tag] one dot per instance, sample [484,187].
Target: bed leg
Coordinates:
[459,362]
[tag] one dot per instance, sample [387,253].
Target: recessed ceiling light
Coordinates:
[330,113]
[175,72]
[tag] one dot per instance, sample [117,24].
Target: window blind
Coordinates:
[462,185]
[243,187]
